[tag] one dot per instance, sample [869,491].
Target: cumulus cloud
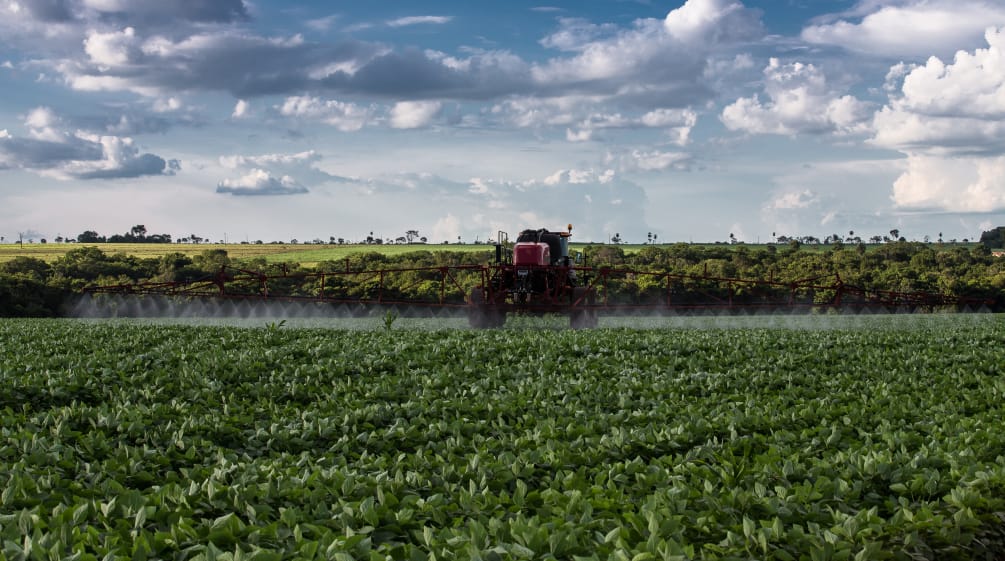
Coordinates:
[952,184]
[243,64]
[712,21]
[666,55]
[949,108]
[260,182]
[910,28]
[116,48]
[446,228]
[304,166]
[792,200]
[677,123]
[52,150]
[414,114]
[949,119]
[346,117]
[651,59]
[799,100]
[525,111]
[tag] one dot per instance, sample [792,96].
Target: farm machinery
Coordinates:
[535,275]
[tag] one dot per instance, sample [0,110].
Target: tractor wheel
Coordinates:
[480,314]
[583,316]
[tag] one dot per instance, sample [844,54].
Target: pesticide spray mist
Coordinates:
[259,312]
[303,313]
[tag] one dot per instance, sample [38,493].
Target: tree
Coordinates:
[894,234]
[411,235]
[28,267]
[90,236]
[138,231]
[992,238]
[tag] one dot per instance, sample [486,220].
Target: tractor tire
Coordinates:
[480,314]
[583,316]
[477,310]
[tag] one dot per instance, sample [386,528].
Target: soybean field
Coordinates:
[852,439]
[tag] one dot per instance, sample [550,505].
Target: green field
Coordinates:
[832,438]
[309,254]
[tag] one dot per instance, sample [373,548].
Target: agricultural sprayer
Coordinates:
[537,275]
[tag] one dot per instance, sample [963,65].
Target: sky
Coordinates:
[245,120]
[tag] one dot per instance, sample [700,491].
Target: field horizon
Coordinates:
[309,254]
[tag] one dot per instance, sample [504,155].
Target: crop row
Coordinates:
[125,440]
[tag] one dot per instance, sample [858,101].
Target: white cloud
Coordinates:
[949,119]
[579,176]
[952,184]
[233,162]
[346,117]
[303,166]
[419,20]
[260,182]
[446,228]
[913,28]
[414,114]
[44,124]
[654,51]
[704,20]
[575,34]
[112,49]
[323,23]
[656,160]
[526,112]
[581,135]
[167,105]
[676,122]
[799,101]
[793,200]
[240,109]
[972,85]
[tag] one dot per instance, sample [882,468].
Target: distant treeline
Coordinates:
[32,287]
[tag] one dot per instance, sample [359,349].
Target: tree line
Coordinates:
[32,287]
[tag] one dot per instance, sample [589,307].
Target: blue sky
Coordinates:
[243,120]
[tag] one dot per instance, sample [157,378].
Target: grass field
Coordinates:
[311,254]
[306,254]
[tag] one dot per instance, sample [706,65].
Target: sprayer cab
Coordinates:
[542,248]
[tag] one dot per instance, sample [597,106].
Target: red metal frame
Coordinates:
[677,291]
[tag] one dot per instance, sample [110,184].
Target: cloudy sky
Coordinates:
[272,120]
